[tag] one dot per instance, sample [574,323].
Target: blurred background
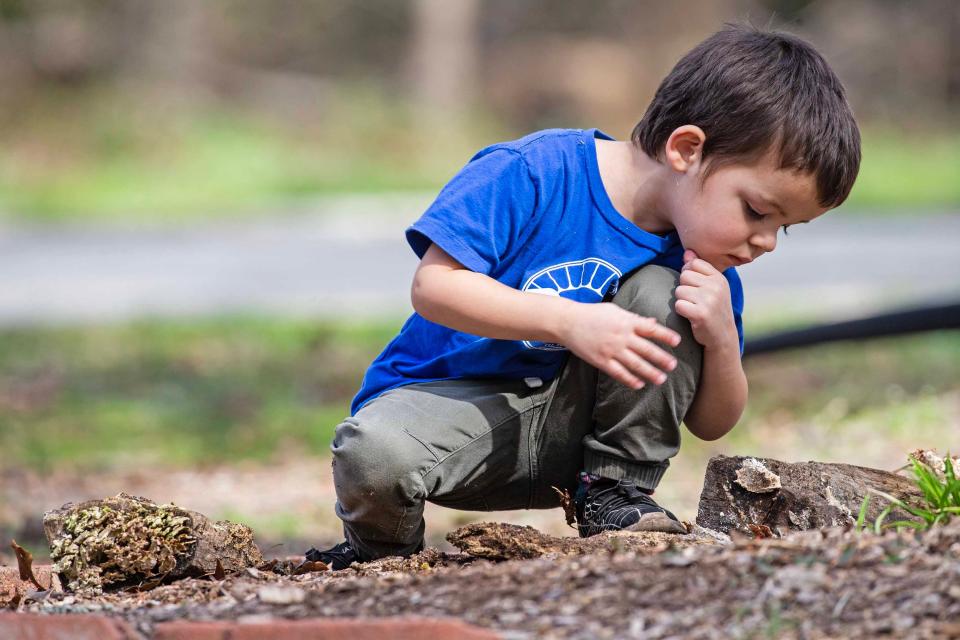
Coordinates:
[202,208]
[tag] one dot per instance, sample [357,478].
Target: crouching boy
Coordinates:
[577,299]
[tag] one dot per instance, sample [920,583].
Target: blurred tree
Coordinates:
[444,59]
[953,59]
[533,62]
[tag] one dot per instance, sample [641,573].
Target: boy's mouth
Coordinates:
[738,261]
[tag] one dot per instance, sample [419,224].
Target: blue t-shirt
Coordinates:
[534,215]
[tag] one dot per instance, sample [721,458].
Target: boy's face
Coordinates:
[734,215]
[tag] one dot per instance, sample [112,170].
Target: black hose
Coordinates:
[896,323]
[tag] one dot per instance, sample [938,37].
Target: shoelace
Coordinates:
[624,494]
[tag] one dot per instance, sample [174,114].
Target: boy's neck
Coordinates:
[635,184]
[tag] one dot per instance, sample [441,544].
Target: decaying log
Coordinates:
[129,541]
[500,541]
[740,491]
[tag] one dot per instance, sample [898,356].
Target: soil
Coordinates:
[817,584]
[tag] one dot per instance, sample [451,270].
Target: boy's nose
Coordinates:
[766,241]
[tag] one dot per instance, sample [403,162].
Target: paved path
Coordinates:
[348,257]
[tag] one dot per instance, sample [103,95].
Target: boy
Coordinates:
[577,299]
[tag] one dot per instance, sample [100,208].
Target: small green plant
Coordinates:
[941,497]
[862,516]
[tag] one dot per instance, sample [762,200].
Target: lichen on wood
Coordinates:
[126,540]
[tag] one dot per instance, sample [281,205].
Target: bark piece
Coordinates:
[499,541]
[754,476]
[126,540]
[740,491]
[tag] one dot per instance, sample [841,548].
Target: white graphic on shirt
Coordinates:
[587,280]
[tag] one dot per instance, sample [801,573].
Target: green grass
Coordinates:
[177,393]
[99,156]
[96,154]
[189,393]
[896,381]
[941,498]
[907,172]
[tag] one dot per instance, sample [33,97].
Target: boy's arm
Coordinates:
[721,394]
[607,337]
[703,297]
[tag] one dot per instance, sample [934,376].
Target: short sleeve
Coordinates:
[479,215]
[736,300]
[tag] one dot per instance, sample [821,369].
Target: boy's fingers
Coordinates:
[642,369]
[652,353]
[686,309]
[621,374]
[701,266]
[650,328]
[693,277]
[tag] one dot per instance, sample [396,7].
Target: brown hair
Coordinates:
[752,91]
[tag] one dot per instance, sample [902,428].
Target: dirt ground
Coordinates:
[523,582]
[818,584]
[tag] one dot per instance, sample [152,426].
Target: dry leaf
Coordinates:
[760,531]
[25,564]
[218,573]
[569,508]
[309,566]
[268,566]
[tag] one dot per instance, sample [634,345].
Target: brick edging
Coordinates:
[35,626]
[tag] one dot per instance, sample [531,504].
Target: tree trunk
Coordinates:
[445,51]
[739,492]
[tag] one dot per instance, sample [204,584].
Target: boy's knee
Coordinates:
[371,463]
[649,292]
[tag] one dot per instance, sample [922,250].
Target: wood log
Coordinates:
[131,541]
[501,541]
[740,491]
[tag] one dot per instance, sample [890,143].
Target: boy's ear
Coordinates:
[684,148]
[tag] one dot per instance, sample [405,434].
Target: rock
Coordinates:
[274,594]
[739,492]
[131,541]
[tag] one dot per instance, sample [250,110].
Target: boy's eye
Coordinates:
[785,227]
[751,212]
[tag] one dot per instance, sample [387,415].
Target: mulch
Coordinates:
[818,584]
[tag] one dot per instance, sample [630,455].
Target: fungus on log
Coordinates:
[740,491]
[130,541]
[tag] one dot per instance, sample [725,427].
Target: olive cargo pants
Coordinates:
[484,445]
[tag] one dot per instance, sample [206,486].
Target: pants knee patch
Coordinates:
[649,292]
[368,465]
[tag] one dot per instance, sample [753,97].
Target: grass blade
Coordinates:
[862,516]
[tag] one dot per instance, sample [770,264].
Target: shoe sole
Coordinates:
[657,522]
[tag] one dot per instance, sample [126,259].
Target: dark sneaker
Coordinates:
[337,557]
[341,556]
[615,505]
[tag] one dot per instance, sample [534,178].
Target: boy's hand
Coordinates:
[618,342]
[703,298]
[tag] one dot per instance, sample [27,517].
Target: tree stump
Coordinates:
[740,491]
[131,541]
